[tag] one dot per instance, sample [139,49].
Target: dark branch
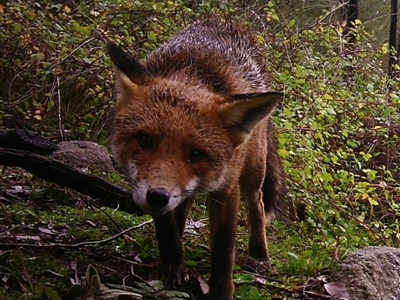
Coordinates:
[51,170]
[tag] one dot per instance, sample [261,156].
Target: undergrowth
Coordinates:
[337,132]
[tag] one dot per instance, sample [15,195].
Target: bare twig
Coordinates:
[87,41]
[9,230]
[88,243]
[110,238]
[59,108]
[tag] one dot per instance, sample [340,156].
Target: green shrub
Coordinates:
[338,130]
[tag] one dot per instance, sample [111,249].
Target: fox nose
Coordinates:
[157,197]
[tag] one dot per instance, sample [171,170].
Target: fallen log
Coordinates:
[22,139]
[64,175]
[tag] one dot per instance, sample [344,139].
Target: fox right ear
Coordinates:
[126,63]
[130,74]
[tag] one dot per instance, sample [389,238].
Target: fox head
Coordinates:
[174,138]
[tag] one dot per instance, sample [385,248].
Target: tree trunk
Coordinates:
[352,11]
[392,39]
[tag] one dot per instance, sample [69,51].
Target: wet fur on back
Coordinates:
[222,56]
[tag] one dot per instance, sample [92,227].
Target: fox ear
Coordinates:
[130,74]
[127,64]
[245,111]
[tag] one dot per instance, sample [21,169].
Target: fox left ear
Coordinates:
[245,111]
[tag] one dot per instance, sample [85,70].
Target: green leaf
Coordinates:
[283,153]
[58,27]
[23,297]
[152,36]
[17,28]
[52,294]
[174,295]
[90,272]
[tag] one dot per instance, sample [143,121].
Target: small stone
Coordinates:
[84,155]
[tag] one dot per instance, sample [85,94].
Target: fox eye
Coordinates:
[145,141]
[196,156]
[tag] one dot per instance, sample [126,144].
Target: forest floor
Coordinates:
[53,241]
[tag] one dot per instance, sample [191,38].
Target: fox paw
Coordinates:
[175,275]
[257,266]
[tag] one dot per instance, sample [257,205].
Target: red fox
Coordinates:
[195,119]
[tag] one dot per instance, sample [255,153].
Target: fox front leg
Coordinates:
[169,232]
[170,247]
[223,224]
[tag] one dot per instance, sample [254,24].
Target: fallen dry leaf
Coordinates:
[337,290]
[203,285]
